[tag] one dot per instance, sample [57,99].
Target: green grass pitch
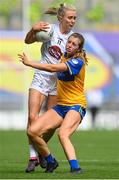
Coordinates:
[97,152]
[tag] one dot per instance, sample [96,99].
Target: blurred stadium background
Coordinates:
[98,20]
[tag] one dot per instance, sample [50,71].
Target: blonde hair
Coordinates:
[60,12]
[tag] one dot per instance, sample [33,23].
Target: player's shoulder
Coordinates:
[77,60]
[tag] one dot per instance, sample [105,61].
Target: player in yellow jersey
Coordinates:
[71,103]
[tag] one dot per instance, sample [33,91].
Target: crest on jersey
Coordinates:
[75,61]
[55,51]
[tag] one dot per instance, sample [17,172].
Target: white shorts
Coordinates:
[44,83]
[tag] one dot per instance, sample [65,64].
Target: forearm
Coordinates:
[30,37]
[45,67]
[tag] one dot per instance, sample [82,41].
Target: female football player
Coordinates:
[71,102]
[44,83]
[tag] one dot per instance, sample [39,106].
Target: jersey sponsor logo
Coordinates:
[55,51]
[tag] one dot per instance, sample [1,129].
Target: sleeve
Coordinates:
[74,65]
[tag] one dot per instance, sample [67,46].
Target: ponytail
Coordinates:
[60,11]
[51,11]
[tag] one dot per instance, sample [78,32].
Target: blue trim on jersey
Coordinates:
[74,66]
[62,110]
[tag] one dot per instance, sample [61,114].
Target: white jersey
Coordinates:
[52,50]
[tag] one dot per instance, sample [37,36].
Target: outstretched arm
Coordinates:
[46,67]
[30,36]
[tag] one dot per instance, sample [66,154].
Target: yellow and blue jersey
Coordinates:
[70,84]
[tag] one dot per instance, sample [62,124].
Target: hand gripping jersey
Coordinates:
[70,84]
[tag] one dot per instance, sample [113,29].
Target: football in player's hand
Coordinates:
[44,36]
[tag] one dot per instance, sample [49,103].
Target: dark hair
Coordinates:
[81,52]
[60,11]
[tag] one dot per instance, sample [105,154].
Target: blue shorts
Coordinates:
[62,110]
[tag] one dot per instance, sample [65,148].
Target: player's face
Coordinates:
[69,19]
[72,45]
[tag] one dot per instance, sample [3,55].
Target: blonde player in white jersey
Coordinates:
[44,83]
[51,52]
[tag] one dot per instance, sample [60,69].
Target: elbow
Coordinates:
[26,41]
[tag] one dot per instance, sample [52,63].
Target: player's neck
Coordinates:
[63,30]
